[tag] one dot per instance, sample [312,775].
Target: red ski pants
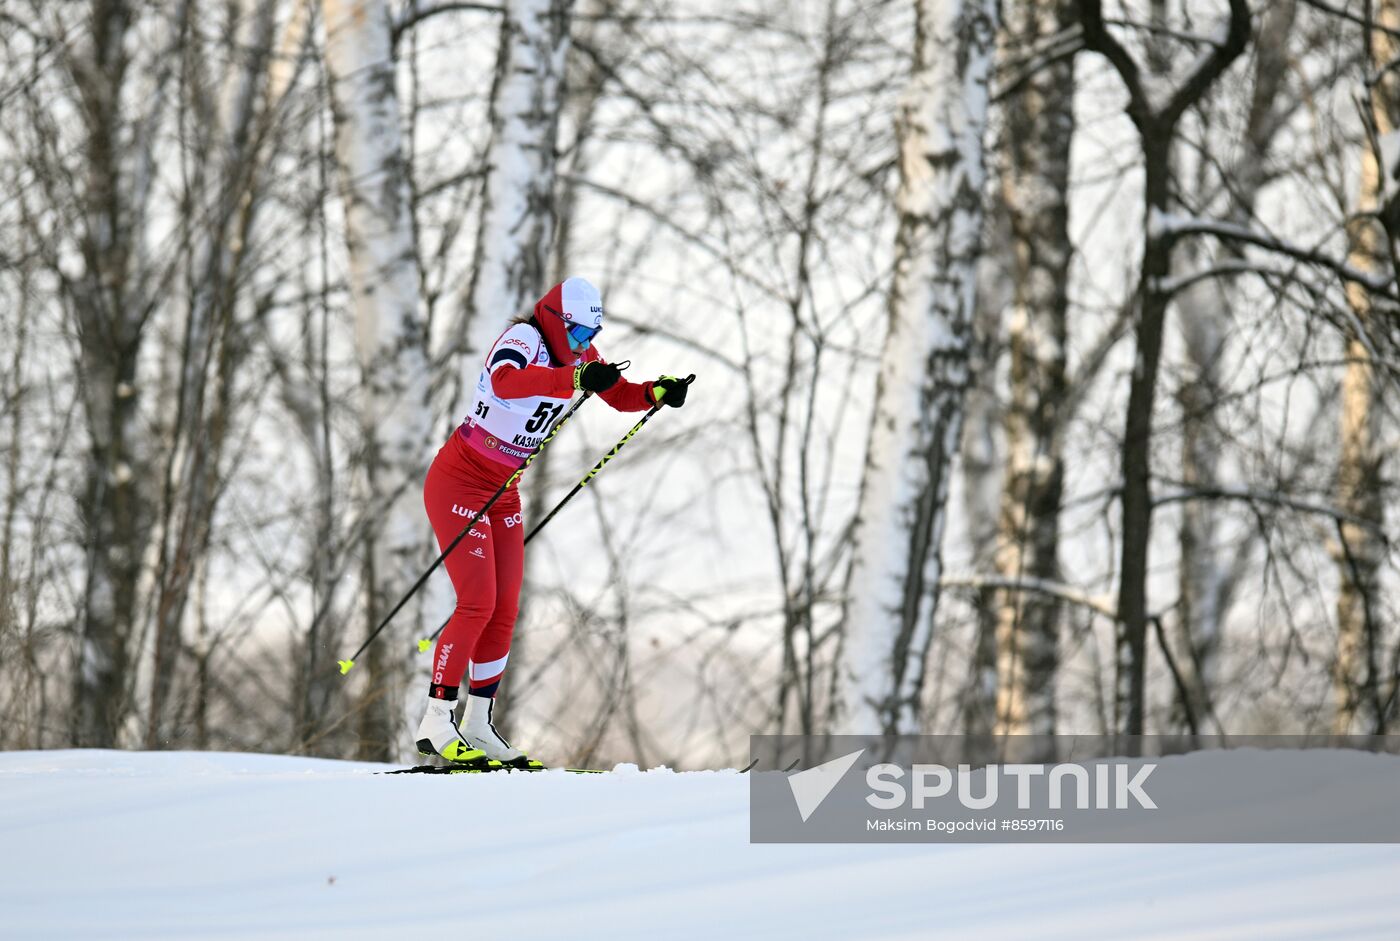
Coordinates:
[485,569]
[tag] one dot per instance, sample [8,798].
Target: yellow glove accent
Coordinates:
[659,392]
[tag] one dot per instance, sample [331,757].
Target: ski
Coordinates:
[435,769]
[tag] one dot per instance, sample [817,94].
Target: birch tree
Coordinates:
[1206,575]
[1357,683]
[923,372]
[1035,188]
[390,337]
[517,218]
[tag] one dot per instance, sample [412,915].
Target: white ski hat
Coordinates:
[580,302]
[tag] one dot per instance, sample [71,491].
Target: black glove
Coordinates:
[670,390]
[596,377]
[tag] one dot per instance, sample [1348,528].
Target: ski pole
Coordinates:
[346,665]
[427,642]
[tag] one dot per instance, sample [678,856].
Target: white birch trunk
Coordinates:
[1206,574]
[923,369]
[390,333]
[517,220]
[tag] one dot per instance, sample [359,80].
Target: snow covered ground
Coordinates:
[197,845]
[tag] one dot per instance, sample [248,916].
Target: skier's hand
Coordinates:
[596,377]
[670,390]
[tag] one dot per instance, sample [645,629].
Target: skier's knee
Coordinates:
[476,607]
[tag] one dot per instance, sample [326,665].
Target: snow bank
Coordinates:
[194,845]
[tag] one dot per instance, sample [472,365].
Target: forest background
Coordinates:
[1045,354]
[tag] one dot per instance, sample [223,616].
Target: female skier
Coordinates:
[531,373]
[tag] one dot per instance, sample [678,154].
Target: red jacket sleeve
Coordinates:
[624,396]
[512,382]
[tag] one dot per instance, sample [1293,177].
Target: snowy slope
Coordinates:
[185,845]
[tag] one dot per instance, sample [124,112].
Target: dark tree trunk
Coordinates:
[109,323]
[1156,123]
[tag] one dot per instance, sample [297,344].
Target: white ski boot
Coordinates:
[438,735]
[480,734]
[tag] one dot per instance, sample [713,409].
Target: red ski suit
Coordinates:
[524,366]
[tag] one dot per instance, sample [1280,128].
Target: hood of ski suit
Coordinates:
[571,301]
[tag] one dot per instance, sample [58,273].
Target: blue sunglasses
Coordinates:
[577,332]
[582,335]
